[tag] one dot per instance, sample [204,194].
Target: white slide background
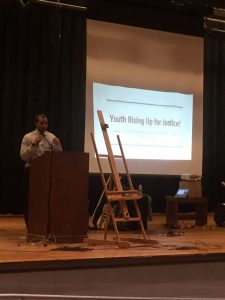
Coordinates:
[151,124]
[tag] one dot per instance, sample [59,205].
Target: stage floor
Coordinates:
[185,244]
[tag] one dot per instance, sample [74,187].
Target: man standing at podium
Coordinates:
[35,144]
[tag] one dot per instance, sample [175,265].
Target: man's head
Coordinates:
[41,123]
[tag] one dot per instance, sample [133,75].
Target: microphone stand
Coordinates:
[49,234]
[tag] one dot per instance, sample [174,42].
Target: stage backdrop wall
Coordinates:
[42,69]
[214,111]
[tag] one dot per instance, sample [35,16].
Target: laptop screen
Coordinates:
[182,193]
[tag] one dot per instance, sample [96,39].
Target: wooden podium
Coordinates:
[58,197]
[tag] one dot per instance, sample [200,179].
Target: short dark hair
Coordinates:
[38,116]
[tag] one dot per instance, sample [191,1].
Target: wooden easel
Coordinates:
[114,192]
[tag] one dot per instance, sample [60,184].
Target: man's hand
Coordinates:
[38,139]
[56,141]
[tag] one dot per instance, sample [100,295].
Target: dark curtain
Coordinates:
[214,116]
[42,69]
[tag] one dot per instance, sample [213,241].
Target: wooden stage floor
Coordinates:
[185,244]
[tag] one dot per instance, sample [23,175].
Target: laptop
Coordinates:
[182,193]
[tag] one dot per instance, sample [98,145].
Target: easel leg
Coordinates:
[114,223]
[140,220]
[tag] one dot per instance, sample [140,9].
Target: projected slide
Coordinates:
[151,124]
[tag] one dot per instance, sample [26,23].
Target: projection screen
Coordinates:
[149,86]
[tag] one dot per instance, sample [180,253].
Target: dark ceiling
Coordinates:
[180,16]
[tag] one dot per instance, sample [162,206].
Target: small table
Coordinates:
[173,215]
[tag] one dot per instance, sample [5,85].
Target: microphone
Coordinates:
[50,144]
